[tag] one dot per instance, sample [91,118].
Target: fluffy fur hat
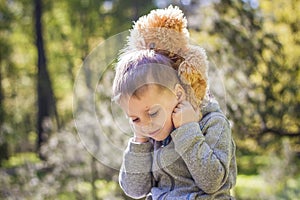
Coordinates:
[165,31]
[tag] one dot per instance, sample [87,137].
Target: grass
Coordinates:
[256,180]
[250,187]
[104,189]
[254,187]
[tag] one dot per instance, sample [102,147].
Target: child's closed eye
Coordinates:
[154,114]
[134,120]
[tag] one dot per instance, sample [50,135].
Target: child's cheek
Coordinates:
[161,118]
[134,127]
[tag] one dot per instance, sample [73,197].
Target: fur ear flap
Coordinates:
[191,76]
[193,71]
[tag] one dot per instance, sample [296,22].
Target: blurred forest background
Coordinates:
[253,44]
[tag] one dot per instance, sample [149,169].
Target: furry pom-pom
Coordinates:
[161,29]
[171,18]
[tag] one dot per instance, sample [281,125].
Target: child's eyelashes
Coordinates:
[151,115]
[135,120]
[154,114]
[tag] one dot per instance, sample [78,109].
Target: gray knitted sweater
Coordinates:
[198,163]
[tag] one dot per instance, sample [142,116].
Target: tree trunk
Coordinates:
[136,7]
[3,144]
[94,175]
[1,98]
[45,96]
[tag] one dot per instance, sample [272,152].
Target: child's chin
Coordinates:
[160,138]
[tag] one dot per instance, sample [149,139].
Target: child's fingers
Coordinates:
[176,110]
[184,113]
[178,105]
[183,104]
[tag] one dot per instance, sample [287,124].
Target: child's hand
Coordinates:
[138,137]
[184,113]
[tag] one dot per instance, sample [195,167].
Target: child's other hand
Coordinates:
[184,113]
[138,137]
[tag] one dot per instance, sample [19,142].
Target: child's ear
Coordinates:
[179,92]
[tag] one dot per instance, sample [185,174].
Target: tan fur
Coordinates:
[165,31]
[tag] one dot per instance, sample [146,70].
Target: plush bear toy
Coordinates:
[165,31]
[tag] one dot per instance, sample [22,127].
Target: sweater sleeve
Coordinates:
[135,175]
[207,157]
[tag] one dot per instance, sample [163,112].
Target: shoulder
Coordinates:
[214,118]
[216,130]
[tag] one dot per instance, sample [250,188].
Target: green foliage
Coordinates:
[264,61]
[250,186]
[71,30]
[66,196]
[65,175]
[20,159]
[290,190]
[273,176]
[104,190]
[253,48]
[253,187]
[250,164]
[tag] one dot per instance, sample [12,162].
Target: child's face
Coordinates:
[150,114]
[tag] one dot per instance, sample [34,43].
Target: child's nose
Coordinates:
[146,128]
[146,120]
[146,125]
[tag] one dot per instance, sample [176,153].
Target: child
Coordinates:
[179,150]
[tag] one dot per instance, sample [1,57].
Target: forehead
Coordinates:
[145,99]
[146,94]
